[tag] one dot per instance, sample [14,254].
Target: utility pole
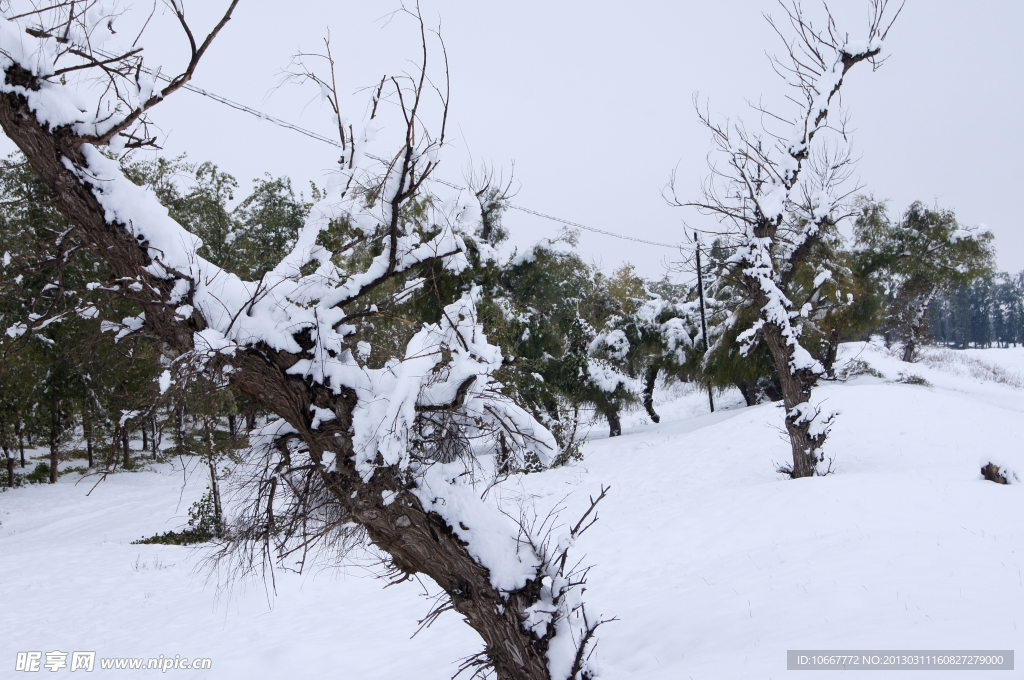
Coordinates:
[703,319]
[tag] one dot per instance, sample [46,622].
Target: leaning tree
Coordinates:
[779,191]
[364,447]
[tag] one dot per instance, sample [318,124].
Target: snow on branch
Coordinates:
[777,191]
[780,191]
[387,448]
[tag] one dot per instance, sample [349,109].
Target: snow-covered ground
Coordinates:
[713,564]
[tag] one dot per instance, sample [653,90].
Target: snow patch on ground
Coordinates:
[713,563]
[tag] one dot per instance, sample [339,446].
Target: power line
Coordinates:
[577,225]
[321,138]
[596,231]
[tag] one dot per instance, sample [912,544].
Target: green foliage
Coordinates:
[858,367]
[247,239]
[915,258]
[57,369]
[40,474]
[267,223]
[574,340]
[989,311]
[55,362]
[204,525]
[543,309]
[19,480]
[912,379]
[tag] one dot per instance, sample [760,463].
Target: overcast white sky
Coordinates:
[592,101]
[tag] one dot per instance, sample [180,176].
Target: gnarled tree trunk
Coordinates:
[650,379]
[417,540]
[796,392]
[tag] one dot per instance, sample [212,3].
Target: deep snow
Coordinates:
[713,564]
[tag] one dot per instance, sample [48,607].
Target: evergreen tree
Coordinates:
[917,257]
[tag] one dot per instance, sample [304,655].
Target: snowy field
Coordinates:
[713,563]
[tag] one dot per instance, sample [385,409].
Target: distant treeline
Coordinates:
[987,313]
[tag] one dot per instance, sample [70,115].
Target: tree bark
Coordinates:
[55,425]
[796,390]
[155,436]
[21,441]
[831,353]
[126,450]
[209,425]
[611,412]
[215,491]
[795,384]
[416,540]
[909,347]
[748,389]
[650,379]
[179,428]
[87,428]
[916,327]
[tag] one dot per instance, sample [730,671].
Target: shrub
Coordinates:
[39,475]
[911,379]
[203,526]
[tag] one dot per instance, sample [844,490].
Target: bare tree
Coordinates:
[386,450]
[777,194]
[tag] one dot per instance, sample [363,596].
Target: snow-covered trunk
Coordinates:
[421,541]
[417,539]
[796,393]
[778,327]
[650,379]
[917,325]
[218,512]
[910,347]
[779,197]
[797,370]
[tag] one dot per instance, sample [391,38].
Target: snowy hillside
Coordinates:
[713,563]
